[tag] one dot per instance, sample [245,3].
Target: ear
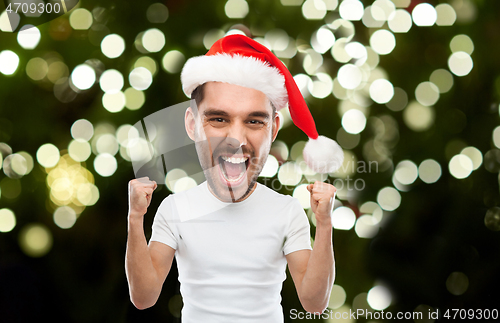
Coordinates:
[276,125]
[190,123]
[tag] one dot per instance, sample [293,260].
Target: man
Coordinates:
[233,237]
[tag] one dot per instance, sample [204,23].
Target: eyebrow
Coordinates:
[261,114]
[217,112]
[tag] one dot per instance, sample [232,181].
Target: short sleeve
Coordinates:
[162,229]
[298,235]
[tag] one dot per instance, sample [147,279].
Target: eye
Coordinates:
[216,120]
[256,122]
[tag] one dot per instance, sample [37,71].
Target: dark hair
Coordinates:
[197,96]
[199,93]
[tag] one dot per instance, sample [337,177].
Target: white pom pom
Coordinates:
[323,155]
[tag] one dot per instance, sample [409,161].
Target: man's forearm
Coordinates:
[143,280]
[320,274]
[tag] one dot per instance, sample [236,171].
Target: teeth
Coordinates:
[234,160]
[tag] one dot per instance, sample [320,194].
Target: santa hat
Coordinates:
[240,60]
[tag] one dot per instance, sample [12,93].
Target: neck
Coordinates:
[250,190]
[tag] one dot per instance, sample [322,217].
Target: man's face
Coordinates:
[233,131]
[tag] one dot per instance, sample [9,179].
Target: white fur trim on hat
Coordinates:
[323,155]
[235,69]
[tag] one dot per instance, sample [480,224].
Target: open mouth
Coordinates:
[233,169]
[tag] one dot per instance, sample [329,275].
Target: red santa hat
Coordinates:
[240,60]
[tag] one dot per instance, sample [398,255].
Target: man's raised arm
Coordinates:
[146,266]
[313,272]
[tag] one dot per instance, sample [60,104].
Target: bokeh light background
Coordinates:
[409,88]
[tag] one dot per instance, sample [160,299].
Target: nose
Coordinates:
[236,136]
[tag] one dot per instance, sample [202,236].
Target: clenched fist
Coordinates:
[322,199]
[140,192]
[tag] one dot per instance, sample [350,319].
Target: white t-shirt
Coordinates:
[231,256]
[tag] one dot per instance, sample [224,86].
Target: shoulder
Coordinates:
[186,195]
[165,204]
[192,193]
[278,198]
[285,207]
